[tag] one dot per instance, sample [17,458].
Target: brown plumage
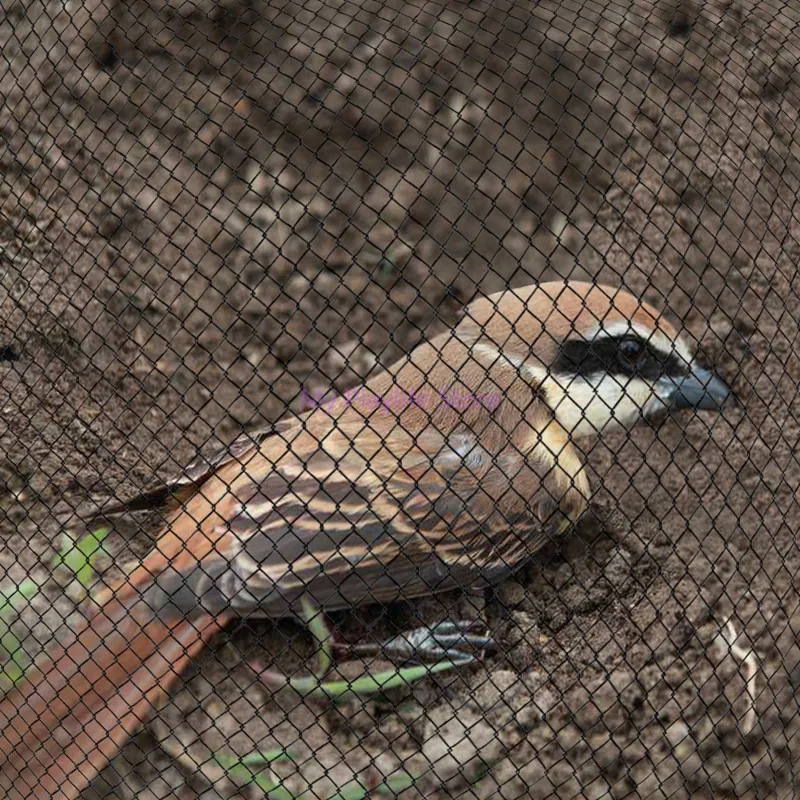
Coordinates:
[448,470]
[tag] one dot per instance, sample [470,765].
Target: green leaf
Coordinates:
[14,598]
[244,772]
[367,684]
[397,783]
[264,759]
[319,630]
[80,557]
[13,660]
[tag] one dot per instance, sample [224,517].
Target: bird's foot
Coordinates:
[447,644]
[457,641]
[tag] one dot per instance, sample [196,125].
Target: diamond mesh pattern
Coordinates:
[220,218]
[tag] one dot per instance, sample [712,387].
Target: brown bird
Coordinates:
[448,470]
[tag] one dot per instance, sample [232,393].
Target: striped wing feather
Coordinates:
[181,486]
[344,531]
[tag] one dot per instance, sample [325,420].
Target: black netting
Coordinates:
[399,399]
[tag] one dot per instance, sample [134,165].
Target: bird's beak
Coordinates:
[701,389]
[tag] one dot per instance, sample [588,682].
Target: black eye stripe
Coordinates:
[586,358]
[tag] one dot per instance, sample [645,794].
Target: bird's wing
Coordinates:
[179,487]
[343,529]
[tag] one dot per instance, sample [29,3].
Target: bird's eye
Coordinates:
[631,352]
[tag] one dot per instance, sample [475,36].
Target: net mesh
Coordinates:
[217,218]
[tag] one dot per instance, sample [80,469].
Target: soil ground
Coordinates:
[206,206]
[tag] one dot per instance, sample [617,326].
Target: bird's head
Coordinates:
[599,357]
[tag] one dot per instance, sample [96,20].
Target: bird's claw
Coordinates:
[452,640]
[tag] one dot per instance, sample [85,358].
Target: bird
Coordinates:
[448,470]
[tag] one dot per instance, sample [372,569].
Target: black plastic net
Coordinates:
[222,223]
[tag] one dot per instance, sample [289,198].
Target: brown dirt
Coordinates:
[205,206]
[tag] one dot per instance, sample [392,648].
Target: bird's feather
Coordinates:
[172,492]
[81,704]
[328,522]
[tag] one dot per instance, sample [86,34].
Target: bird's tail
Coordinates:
[77,709]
